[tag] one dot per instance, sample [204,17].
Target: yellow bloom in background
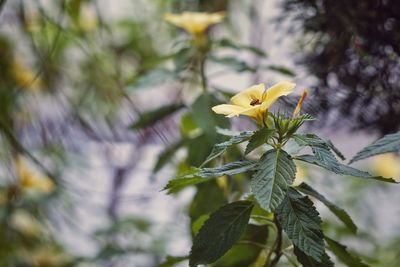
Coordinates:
[25,223]
[195,23]
[301,175]
[386,165]
[30,180]
[254,101]
[25,78]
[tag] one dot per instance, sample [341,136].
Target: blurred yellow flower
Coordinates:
[254,101]
[386,165]
[47,256]
[195,23]
[25,223]
[301,175]
[31,181]
[25,78]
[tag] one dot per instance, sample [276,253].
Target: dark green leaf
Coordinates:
[326,158]
[206,119]
[343,169]
[339,212]
[151,117]
[231,168]
[220,148]
[152,78]
[341,252]
[176,185]
[259,138]
[275,172]
[302,224]
[313,140]
[220,232]
[247,249]
[388,143]
[208,198]
[231,44]
[234,63]
[167,154]
[282,70]
[308,261]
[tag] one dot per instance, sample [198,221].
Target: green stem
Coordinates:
[203,72]
[276,248]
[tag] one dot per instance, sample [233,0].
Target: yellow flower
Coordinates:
[25,78]
[25,223]
[387,165]
[254,101]
[31,181]
[195,23]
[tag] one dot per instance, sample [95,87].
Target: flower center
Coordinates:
[255,102]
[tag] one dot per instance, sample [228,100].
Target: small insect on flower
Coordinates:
[255,101]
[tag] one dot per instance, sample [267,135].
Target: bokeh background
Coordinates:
[80,182]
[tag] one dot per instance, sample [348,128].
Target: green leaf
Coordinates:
[149,118]
[339,212]
[341,252]
[275,172]
[208,198]
[326,158]
[220,148]
[176,185]
[281,70]
[308,261]
[234,63]
[198,176]
[206,119]
[170,261]
[388,143]
[220,232]
[313,140]
[197,224]
[247,249]
[343,169]
[231,168]
[259,138]
[229,43]
[167,154]
[302,224]
[152,78]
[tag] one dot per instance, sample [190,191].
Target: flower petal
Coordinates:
[276,91]
[245,97]
[228,110]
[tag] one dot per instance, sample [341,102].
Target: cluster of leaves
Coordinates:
[274,202]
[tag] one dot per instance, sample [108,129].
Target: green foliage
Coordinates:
[247,249]
[339,212]
[302,224]
[281,70]
[152,78]
[308,261]
[343,254]
[313,140]
[338,168]
[259,138]
[388,143]
[149,118]
[275,172]
[234,63]
[230,44]
[220,148]
[220,232]
[166,156]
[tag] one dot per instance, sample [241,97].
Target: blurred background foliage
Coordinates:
[102,102]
